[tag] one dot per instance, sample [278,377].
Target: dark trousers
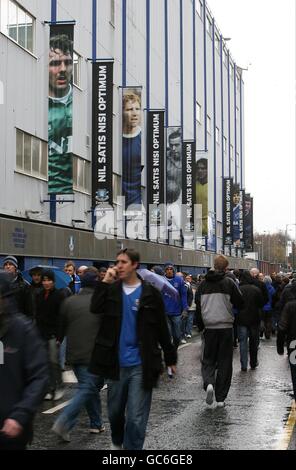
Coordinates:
[217,356]
[12,444]
[251,333]
[55,371]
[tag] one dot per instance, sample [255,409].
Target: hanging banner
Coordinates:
[155,170]
[60,112]
[188,187]
[174,182]
[248,223]
[236,207]
[241,219]
[202,191]
[102,134]
[228,212]
[211,239]
[132,148]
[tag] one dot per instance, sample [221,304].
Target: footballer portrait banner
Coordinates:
[248,222]
[236,207]
[102,133]
[173,179]
[60,109]
[132,147]
[241,218]
[188,185]
[155,165]
[228,212]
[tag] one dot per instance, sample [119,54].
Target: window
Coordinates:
[208,125]
[217,135]
[217,42]
[199,8]
[31,155]
[231,153]
[231,70]
[198,112]
[17,24]
[209,26]
[112,15]
[224,146]
[225,56]
[81,175]
[237,82]
[117,190]
[77,69]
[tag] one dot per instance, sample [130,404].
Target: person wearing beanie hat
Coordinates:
[49,274]
[10,261]
[48,305]
[19,286]
[81,327]
[158,270]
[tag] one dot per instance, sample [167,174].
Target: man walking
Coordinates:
[216,297]
[81,328]
[127,348]
[175,309]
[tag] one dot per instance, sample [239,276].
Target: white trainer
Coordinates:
[115,447]
[220,404]
[210,395]
[60,431]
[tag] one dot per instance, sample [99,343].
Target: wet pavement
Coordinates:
[255,416]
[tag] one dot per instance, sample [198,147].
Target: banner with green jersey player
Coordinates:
[60,109]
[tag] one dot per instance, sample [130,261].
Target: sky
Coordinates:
[263,40]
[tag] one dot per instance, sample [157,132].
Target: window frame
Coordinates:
[86,164]
[5,29]
[42,163]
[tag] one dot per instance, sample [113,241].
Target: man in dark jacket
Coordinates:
[127,348]
[19,286]
[48,304]
[35,287]
[23,372]
[287,333]
[216,297]
[248,320]
[81,328]
[288,294]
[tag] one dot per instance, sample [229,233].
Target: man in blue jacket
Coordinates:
[175,309]
[23,372]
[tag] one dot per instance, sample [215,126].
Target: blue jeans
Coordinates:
[88,395]
[251,333]
[174,324]
[128,408]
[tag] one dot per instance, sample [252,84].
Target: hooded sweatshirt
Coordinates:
[216,297]
[176,307]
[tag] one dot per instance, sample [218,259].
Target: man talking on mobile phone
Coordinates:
[127,351]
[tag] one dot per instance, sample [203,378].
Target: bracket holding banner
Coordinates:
[59,22]
[110,59]
[58,201]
